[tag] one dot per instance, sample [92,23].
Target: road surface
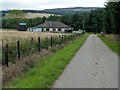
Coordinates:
[0,77]
[93,66]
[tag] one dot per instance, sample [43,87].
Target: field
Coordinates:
[29,42]
[10,36]
[33,15]
[30,49]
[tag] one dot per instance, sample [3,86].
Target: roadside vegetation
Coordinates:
[44,74]
[113,45]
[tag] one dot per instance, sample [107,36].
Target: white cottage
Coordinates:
[51,26]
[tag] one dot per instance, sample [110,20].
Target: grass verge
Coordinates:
[48,70]
[114,46]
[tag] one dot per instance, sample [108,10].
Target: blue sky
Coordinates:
[48,4]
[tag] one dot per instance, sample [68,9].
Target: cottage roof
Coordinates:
[53,24]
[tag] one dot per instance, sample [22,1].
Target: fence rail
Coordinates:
[15,52]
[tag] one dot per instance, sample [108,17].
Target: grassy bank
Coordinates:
[48,70]
[111,44]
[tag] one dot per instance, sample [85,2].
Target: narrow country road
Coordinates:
[0,77]
[93,66]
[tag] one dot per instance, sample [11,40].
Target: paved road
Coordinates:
[93,66]
[0,77]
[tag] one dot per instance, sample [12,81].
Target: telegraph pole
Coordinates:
[83,24]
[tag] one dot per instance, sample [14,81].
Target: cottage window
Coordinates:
[54,29]
[42,29]
[59,29]
[47,29]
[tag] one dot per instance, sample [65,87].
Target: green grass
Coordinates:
[111,44]
[44,74]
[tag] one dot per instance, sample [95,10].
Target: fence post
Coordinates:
[46,43]
[71,36]
[68,37]
[6,55]
[18,49]
[59,40]
[39,48]
[51,41]
[31,44]
[31,41]
[75,35]
[62,39]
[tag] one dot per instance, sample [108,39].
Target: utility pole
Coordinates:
[96,31]
[83,24]
[97,28]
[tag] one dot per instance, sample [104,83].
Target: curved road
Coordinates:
[93,66]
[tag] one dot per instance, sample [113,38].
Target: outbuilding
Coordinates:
[22,26]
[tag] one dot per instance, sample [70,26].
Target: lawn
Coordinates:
[114,46]
[44,74]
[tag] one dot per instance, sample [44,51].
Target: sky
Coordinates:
[48,4]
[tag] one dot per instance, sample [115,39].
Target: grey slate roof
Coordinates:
[53,24]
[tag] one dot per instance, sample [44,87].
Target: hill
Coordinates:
[58,11]
[62,11]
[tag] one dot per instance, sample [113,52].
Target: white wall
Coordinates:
[56,29]
[30,29]
[39,29]
[44,29]
[63,29]
[50,29]
[35,29]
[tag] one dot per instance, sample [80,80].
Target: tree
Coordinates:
[112,17]
[16,13]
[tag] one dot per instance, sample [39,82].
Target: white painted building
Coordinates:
[51,26]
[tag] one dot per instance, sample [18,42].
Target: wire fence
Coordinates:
[15,51]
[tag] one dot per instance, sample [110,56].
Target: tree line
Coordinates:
[101,20]
[12,23]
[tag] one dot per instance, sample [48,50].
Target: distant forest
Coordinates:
[96,20]
[60,11]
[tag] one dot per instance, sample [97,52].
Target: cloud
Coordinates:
[113,0]
[48,4]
